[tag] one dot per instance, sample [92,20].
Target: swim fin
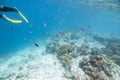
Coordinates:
[23,16]
[13,21]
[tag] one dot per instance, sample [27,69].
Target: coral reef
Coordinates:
[105,39]
[114,47]
[116,59]
[112,50]
[84,49]
[95,68]
[65,49]
[74,36]
[97,63]
[52,47]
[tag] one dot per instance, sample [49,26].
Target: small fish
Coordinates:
[58,36]
[45,24]
[82,30]
[36,44]
[12,28]
[63,33]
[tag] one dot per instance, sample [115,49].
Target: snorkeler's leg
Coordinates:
[2,16]
[8,19]
[8,9]
[23,16]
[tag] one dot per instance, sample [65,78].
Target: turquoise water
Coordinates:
[60,15]
[64,40]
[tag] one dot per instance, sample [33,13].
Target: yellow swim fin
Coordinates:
[13,21]
[23,16]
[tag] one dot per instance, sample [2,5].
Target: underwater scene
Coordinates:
[60,40]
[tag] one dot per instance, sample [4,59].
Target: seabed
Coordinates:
[66,56]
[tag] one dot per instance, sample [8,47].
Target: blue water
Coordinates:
[59,15]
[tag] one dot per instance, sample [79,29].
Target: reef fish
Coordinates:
[36,44]
[61,34]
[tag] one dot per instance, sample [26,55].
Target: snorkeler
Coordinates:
[8,9]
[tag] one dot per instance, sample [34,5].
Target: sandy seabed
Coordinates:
[32,64]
